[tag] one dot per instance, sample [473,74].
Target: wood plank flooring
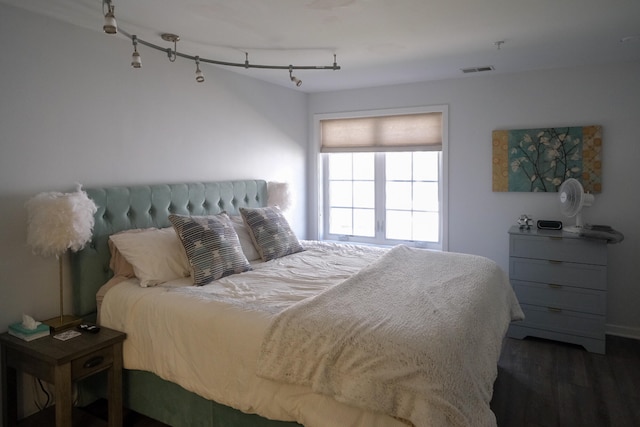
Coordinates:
[549,384]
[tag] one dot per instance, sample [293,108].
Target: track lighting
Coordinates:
[171,38]
[199,75]
[110,25]
[135,58]
[293,78]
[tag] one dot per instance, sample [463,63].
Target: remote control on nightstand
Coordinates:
[92,329]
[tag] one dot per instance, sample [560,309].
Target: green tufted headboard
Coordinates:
[144,206]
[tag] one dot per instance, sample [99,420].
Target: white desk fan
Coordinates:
[572,200]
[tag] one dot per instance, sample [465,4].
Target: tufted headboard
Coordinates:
[144,206]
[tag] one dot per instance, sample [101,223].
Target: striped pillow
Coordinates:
[270,232]
[211,245]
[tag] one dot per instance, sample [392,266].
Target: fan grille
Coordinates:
[571,197]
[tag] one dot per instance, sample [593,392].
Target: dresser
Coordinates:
[561,282]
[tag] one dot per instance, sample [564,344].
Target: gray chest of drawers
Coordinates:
[561,282]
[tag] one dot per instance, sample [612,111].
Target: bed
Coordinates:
[320,334]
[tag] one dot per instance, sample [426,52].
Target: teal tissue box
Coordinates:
[19,331]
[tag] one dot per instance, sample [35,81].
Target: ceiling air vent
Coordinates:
[477,69]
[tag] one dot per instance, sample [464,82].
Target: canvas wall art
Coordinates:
[539,160]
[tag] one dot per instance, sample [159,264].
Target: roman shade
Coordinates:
[403,132]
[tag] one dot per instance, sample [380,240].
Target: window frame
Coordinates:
[319,200]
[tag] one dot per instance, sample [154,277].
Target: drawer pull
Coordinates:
[94,361]
[554,310]
[553,261]
[554,286]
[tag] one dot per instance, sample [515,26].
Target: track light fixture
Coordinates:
[110,27]
[136,62]
[293,78]
[199,75]
[168,37]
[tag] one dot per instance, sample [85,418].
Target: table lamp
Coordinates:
[57,222]
[279,194]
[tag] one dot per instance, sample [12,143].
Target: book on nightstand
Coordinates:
[19,331]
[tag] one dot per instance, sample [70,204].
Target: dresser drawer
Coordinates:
[558,249]
[558,273]
[91,363]
[563,321]
[563,297]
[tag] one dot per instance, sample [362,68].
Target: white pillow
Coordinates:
[246,243]
[156,255]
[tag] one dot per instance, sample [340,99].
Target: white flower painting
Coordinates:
[539,160]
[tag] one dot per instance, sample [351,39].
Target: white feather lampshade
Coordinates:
[57,222]
[278,194]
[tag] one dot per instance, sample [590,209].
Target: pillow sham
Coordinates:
[270,232]
[212,246]
[244,236]
[118,263]
[156,255]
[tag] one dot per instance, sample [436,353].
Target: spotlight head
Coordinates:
[135,57]
[293,78]
[199,75]
[110,25]
[135,60]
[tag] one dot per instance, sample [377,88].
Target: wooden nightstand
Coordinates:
[61,363]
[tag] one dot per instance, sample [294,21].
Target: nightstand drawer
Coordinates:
[563,321]
[558,249]
[563,297]
[91,363]
[558,273]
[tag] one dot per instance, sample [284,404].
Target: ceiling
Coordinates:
[377,42]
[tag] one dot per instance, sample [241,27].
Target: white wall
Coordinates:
[479,218]
[73,110]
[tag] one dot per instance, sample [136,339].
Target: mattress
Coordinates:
[208,339]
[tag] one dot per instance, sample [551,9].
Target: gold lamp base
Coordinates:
[61,323]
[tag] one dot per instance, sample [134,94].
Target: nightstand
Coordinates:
[61,363]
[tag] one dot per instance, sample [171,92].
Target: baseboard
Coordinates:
[623,331]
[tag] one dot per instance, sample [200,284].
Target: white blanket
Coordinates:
[416,335]
[207,339]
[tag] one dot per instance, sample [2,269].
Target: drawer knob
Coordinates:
[94,361]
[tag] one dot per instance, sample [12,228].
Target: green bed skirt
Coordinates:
[169,403]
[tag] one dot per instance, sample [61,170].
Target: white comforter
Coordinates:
[208,339]
[416,335]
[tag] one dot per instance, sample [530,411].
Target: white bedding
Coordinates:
[402,336]
[208,339]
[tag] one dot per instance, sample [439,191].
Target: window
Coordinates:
[380,192]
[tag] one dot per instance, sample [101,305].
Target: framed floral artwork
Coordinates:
[539,160]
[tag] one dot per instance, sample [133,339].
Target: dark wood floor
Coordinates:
[129,418]
[548,384]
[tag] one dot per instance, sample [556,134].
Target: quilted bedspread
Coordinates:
[416,335]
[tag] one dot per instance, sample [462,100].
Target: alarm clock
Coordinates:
[547,224]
